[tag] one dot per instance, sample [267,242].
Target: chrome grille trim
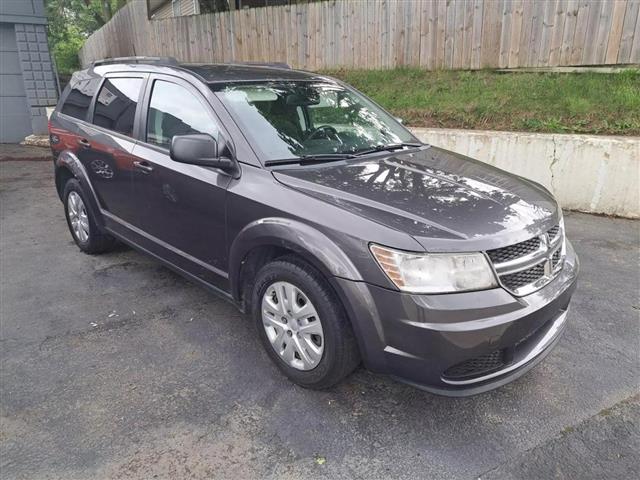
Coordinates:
[550,253]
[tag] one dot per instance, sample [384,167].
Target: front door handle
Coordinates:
[84,143]
[143,166]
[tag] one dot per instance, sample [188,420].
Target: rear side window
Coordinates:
[116,104]
[76,104]
[174,110]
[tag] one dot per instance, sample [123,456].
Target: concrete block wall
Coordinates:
[589,173]
[37,72]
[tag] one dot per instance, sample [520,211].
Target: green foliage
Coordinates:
[542,102]
[71,22]
[66,52]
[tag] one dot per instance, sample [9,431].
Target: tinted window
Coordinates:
[174,110]
[77,102]
[116,104]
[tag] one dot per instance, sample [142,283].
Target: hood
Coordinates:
[444,200]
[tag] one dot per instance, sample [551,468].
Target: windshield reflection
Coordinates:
[293,119]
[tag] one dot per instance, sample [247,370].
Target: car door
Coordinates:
[106,141]
[181,207]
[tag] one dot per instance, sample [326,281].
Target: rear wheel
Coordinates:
[83,228]
[302,324]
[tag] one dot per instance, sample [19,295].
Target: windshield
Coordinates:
[295,119]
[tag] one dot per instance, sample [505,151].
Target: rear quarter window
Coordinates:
[77,103]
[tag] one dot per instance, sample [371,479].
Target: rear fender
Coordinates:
[67,160]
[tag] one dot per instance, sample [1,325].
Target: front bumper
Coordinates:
[419,338]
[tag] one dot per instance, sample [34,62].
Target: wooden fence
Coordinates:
[431,34]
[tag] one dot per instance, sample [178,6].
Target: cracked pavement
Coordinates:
[113,367]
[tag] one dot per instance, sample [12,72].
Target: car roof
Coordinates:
[212,73]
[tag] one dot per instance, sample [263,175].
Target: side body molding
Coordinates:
[316,247]
[68,160]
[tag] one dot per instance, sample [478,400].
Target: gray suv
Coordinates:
[321,216]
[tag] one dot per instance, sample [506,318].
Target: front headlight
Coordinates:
[435,272]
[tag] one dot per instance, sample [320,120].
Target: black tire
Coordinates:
[97,241]
[341,355]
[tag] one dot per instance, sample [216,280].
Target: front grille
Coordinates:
[500,255]
[526,266]
[477,366]
[519,279]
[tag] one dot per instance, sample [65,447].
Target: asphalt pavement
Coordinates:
[113,367]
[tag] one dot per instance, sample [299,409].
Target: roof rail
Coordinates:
[157,60]
[265,64]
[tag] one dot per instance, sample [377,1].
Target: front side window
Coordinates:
[116,104]
[77,103]
[174,110]
[285,119]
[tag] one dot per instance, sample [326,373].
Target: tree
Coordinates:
[108,8]
[71,22]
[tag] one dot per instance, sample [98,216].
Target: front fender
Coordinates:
[67,160]
[316,247]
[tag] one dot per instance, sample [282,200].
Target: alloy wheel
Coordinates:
[292,325]
[78,217]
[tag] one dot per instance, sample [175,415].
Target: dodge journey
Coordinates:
[343,237]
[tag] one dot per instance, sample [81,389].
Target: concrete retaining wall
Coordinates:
[596,174]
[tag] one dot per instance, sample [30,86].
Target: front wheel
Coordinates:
[302,324]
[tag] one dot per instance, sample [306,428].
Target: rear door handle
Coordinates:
[143,166]
[83,142]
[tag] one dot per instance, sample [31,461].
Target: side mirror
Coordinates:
[200,149]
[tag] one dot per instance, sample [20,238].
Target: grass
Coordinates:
[596,103]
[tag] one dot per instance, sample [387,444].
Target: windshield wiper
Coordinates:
[331,157]
[304,159]
[387,148]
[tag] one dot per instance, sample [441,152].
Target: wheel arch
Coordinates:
[63,175]
[267,239]
[68,166]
